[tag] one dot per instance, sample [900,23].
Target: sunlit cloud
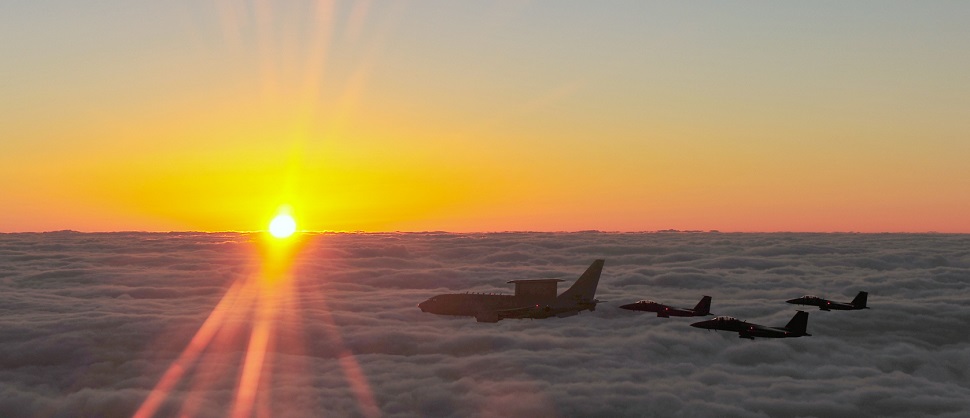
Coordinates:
[173,324]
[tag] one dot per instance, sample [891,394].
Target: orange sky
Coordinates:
[481,116]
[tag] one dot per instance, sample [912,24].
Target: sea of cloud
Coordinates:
[89,323]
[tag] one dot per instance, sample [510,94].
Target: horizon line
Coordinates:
[362,232]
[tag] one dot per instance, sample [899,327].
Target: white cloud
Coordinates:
[89,322]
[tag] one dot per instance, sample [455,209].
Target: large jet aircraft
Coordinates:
[532,299]
[795,328]
[824,304]
[703,308]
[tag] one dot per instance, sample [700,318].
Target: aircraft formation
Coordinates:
[538,299]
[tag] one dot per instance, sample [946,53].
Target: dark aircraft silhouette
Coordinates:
[534,299]
[824,304]
[703,308]
[795,328]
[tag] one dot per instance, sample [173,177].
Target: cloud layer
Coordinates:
[90,322]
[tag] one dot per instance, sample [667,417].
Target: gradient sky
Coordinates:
[481,116]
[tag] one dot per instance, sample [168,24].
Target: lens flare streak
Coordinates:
[265,300]
[253,366]
[189,356]
[261,303]
[359,385]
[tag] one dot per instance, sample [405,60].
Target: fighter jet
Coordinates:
[703,308]
[534,299]
[795,328]
[824,304]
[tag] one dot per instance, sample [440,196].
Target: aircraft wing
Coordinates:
[531,311]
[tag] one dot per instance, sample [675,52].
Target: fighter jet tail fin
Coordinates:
[704,306]
[798,323]
[860,300]
[585,287]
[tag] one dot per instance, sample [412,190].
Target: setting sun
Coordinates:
[282,226]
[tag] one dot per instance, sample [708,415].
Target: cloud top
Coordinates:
[90,322]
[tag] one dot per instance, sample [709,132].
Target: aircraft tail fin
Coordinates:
[704,306]
[860,300]
[798,323]
[585,287]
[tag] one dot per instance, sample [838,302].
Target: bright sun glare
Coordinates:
[282,226]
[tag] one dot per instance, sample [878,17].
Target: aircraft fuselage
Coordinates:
[795,328]
[534,299]
[827,305]
[471,304]
[660,309]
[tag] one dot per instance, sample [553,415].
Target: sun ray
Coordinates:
[353,372]
[252,367]
[251,313]
[192,352]
[359,384]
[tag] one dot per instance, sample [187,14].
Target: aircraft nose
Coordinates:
[423,306]
[628,306]
[792,300]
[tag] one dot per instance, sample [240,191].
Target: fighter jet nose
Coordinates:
[792,301]
[628,307]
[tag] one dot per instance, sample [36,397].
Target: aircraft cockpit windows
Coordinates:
[725,318]
[644,301]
